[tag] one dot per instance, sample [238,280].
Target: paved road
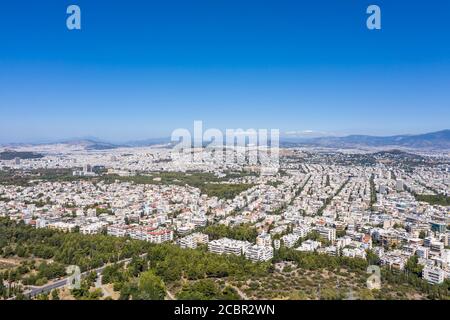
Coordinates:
[34,291]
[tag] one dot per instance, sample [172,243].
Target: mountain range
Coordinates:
[439,140]
[433,140]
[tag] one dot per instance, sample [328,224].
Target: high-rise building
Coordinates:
[87,168]
[399,185]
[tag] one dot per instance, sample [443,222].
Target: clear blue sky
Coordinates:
[139,69]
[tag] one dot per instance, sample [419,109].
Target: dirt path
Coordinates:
[170,295]
[9,261]
[239,291]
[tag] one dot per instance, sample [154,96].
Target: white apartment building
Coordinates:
[264,239]
[289,240]
[187,242]
[331,250]
[343,241]
[63,226]
[259,253]
[354,253]
[137,234]
[301,231]
[141,233]
[160,236]
[199,220]
[92,228]
[117,230]
[41,223]
[327,233]
[309,245]
[393,261]
[422,252]
[437,247]
[191,241]
[433,275]
[228,246]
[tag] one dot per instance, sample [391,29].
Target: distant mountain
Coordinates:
[433,140]
[147,142]
[89,144]
[92,143]
[439,140]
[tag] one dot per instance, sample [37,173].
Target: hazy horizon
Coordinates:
[283,136]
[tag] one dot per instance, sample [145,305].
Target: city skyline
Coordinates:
[298,136]
[143,70]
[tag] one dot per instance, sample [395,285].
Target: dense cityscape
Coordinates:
[223,159]
[343,209]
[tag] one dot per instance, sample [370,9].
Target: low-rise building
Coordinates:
[259,253]
[433,275]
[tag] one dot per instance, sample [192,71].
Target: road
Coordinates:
[170,295]
[34,291]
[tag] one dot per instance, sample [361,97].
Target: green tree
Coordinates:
[55,295]
[205,289]
[150,287]
[365,294]
[413,267]
[372,258]
[42,296]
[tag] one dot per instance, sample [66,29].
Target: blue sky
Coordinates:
[139,69]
